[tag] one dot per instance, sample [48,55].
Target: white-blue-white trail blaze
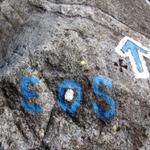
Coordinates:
[135,51]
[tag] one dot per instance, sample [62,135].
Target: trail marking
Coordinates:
[61,90]
[101,80]
[135,51]
[29,93]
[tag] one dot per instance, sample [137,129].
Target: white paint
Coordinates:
[148,2]
[69,95]
[145,73]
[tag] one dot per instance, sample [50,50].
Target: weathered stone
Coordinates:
[49,39]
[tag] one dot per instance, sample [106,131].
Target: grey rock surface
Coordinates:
[48,39]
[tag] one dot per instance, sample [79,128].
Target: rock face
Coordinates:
[50,39]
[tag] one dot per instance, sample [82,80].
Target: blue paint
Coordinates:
[26,93]
[61,91]
[129,45]
[98,80]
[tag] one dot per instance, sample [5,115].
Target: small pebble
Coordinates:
[69,95]
[115,127]
[83,62]
[137,103]
[41,133]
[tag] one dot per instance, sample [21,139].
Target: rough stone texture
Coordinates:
[49,39]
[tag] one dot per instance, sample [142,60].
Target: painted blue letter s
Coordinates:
[98,80]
